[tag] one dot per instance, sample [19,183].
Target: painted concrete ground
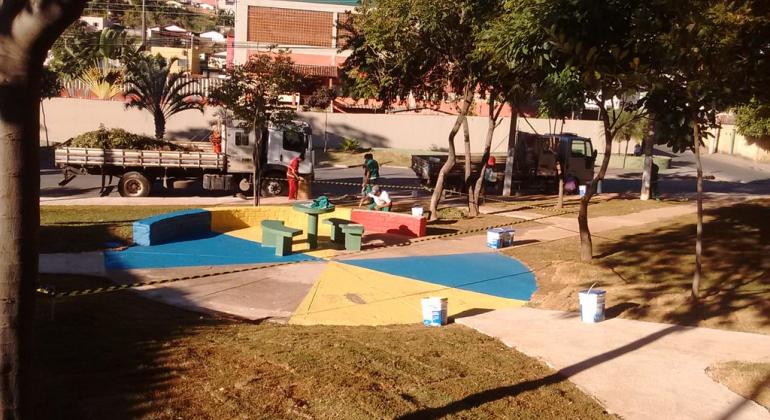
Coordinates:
[354,290]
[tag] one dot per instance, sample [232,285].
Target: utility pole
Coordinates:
[144,26]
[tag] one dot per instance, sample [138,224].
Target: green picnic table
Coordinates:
[312,221]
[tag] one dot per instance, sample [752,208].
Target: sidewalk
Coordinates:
[638,370]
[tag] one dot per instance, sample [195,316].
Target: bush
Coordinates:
[117,138]
[322,97]
[350,146]
[753,120]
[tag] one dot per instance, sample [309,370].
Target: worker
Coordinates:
[292,176]
[371,174]
[380,199]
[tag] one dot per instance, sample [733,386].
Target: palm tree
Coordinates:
[151,85]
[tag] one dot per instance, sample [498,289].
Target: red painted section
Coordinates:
[386,222]
[230,42]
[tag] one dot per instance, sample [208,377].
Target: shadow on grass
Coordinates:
[90,359]
[735,264]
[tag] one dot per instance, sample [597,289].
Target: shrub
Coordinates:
[117,138]
[350,145]
[753,120]
[322,97]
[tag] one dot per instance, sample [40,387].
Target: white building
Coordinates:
[214,36]
[95,23]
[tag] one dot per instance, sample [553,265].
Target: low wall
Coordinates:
[633,162]
[227,219]
[391,223]
[68,117]
[727,140]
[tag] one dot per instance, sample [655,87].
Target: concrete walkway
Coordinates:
[639,370]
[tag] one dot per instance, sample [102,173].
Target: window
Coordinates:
[241,138]
[294,141]
[578,148]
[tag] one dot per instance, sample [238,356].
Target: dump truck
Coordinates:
[232,169]
[534,165]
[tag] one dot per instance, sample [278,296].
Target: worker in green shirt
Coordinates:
[371,174]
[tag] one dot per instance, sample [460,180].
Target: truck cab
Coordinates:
[281,144]
[541,152]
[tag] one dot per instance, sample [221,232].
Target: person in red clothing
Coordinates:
[292,175]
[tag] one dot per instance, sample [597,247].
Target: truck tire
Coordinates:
[273,187]
[134,184]
[244,186]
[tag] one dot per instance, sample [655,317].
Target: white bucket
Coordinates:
[434,311]
[592,305]
[599,187]
[417,211]
[500,237]
[582,190]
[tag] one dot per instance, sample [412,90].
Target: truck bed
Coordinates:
[92,157]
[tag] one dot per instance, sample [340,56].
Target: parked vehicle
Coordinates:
[231,170]
[534,165]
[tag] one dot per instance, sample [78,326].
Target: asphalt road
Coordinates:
[730,175]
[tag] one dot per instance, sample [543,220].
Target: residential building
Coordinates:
[95,23]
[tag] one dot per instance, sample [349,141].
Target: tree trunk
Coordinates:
[468,168]
[492,125]
[625,153]
[160,124]
[699,200]
[560,181]
[450,162]
[648,141]
[510,161]
[29,29]
[586,244]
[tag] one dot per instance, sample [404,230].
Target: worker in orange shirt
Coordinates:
[292,175]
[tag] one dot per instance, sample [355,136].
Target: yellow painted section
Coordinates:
[350,295]
[244,223]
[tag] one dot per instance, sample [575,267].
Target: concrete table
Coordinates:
[312,221]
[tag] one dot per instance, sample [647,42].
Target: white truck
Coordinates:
[230,170]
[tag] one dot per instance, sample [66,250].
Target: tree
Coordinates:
[421,48]
[250,94]
[753,120]
[710,56]
[150,85]
[600,42]
[28,30]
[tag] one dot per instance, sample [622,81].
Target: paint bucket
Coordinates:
[599,187]
[434,311]
[582,190]
[500,237]
[417,211]
[592,305]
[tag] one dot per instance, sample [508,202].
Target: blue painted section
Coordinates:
[488,273]
[195,250]
[169,226]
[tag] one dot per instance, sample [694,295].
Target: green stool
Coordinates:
[353,234]
[336,224]
[275,234]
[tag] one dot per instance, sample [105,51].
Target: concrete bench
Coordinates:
[275,234]
[353,233]
[346,231]
[167,227]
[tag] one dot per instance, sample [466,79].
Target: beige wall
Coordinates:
[423,132]
[190,56]
[727,140]
[67,118]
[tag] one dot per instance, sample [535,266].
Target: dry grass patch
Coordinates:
[119,355]
[389,157]
[647,270]
[749,380]
[90,228]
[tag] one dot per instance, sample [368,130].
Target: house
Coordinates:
[308,28]
[206,6]
[214,36]
[95,23]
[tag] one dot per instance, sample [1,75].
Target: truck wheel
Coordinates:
[134,184]
[273,187]
[244,185]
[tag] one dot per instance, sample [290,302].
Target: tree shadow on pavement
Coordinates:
[475,400]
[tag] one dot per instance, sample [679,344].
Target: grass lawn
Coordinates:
[749,380]
[118,355]
[90,228]
[600,205]
[647,270]
[389,157]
